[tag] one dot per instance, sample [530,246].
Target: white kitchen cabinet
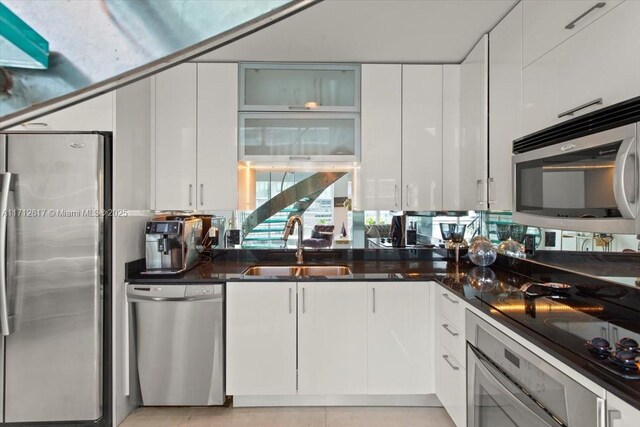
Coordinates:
[332,338]
[196,137]
[451,386]
[399,340]
[422,137]
[261,338]
[451,137]
[93,114]
[175,138]
[381,132]
[217,168]
[473,127]
[292,87]
[620,413]
[545,22]
[505,105]
[597,67]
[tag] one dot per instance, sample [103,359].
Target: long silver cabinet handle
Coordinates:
[491,184]
[299,157]
[303,304]
[448,329]
[373,298]
[454,367]
[572,24]
[479,190]
[289,300]
[4,204]
[407,187]
[449,298]
[201,194]
[395,195]
[190,194]
[601,412]
[580,107]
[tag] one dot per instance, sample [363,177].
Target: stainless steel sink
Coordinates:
[297,270]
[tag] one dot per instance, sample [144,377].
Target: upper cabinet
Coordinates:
[93,114]
[381,165]
[286,137]
[473,127]
[547,23]
[299,112]
[422,137]
[299,87]
[195,137]
[505,105]
[597,67]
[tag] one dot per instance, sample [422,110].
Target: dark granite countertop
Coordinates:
[492,290]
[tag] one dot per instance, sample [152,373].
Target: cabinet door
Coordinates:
[381,164]
[545,23]
[596,68]
[422,137]
[505,104]
[473,127]
[93,114]
[332,338]
[291,137]
[451,386]
[620,413]
[261,338]
[217,158]
[175,138]
[294,87]
[399,341]
[451,137]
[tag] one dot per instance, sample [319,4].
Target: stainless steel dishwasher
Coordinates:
[179,336]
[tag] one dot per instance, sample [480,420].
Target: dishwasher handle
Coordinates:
[175,293]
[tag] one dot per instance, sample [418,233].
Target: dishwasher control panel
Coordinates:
[174,292]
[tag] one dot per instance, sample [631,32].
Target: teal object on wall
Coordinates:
[20,45]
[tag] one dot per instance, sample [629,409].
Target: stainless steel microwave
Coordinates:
[585,184]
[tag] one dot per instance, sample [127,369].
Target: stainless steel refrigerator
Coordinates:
[54,276]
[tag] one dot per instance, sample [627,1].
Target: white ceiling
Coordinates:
[430,31]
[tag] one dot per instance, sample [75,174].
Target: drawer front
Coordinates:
[451,308]
[452,339]
[451,384]
[544,23]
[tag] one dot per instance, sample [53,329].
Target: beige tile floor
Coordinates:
[289,417]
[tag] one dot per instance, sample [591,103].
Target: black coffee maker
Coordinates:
[396,233]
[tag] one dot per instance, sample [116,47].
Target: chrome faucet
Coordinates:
[288,229]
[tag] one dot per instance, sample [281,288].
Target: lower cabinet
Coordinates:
[261,338]
[332,338]
[621,414]
[451,357]
[352,338]
[451,385]
[398,356]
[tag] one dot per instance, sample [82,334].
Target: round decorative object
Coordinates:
[479,238]
[512,249]
[482,279]
[482,253]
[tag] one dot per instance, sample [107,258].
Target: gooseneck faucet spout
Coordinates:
[288,229]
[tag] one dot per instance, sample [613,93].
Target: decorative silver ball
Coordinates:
[482,253]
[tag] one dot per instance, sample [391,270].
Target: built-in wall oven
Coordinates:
[589,183]
[509,386]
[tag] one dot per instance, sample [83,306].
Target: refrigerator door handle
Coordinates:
[7,181]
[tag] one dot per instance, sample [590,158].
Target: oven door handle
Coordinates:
[509,389]
[627,207]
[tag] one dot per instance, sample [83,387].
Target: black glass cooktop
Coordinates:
[571,317]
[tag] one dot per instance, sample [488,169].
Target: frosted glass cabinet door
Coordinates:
[292,87]
[299,136]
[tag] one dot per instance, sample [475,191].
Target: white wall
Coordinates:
[131,174]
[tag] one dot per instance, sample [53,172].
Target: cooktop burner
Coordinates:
[624,360]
